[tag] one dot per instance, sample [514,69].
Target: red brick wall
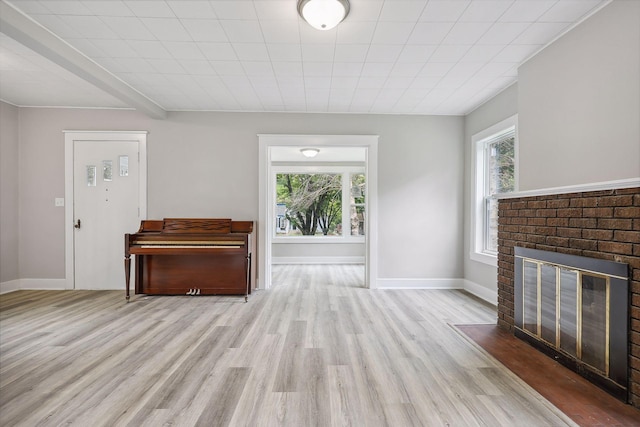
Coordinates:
[597,224]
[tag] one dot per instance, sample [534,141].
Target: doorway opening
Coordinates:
[346,162]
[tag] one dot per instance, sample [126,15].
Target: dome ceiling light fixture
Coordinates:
[309,152]
[323,14]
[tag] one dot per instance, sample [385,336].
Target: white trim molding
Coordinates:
[318,260]
[486,294]
[413,283]
[34,284]
[579,188]
[44,284]
[9,286]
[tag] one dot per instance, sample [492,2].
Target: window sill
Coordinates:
[318,240]
[484,258]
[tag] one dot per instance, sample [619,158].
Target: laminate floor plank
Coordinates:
[344,399]
[315,350]
[223,401]
[251,407]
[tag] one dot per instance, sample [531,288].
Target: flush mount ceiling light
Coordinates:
[309,152]
[323,14]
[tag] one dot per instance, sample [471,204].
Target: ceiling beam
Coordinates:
[24,30]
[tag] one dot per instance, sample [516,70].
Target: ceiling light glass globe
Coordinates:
[323,14]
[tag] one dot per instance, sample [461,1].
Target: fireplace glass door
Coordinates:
[576,309]
[595,325]
[530,303]
[567,309]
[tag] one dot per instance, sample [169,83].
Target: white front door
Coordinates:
[106,178]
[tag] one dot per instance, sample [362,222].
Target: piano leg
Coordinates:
[246,295]
[127,274]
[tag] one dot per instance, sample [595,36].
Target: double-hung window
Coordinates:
[495,173]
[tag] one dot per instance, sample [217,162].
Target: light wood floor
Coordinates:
[315,350]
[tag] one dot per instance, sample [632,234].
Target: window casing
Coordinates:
[495,174]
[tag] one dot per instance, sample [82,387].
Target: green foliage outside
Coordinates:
[502,166]
[501,171]
[313,201]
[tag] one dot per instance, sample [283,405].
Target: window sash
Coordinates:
[490,244]
[491,189]
[489,144]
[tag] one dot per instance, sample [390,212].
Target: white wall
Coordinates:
[502,106]
[9,186]
[206,165]
[420,182]
[579,103]
[312,252]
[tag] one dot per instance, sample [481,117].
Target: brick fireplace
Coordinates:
[597,224]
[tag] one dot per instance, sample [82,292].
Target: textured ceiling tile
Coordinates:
[242,31]
[204,30]
[150,9]
[166,29]
[417,56]
[192,9]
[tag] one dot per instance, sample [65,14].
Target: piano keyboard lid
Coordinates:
[187,243]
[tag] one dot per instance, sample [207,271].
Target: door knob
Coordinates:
[77,224]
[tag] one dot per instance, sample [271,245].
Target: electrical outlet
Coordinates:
[59,201]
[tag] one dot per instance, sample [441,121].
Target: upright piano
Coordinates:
[191,256]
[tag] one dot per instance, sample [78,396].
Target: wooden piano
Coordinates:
[191,256]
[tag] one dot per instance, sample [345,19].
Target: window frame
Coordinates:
[345,171]
[480,233]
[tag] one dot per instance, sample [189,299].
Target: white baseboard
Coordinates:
[319,260]
[44,284]
[420,283]
[9,286]
[489,295]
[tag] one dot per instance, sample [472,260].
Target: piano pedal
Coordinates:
[197,292]
[190,292]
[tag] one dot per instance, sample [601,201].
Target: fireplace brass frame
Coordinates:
[578,307]
[614,377]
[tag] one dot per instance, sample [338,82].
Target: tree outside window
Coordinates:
[320,204]
[500,178]
[357,205]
